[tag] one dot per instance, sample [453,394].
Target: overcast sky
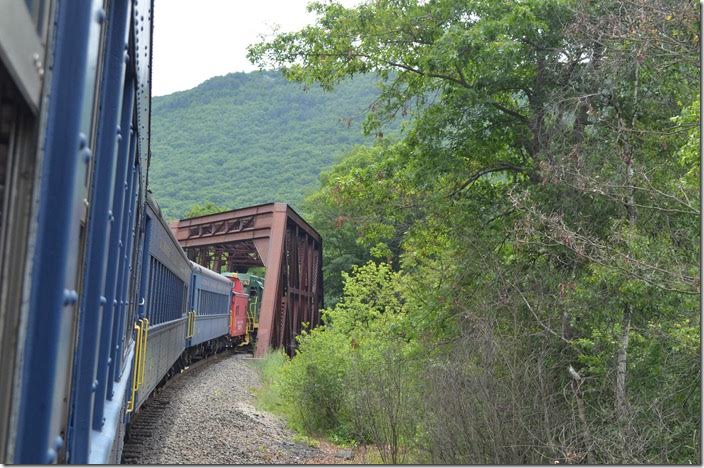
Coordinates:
[197,39]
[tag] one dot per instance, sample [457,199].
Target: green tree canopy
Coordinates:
[206,208]
[541,207]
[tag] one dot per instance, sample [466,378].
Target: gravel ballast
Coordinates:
[207,415]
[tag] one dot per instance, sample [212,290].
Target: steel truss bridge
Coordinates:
[274,236]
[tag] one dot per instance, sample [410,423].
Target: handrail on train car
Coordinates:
[190,324]
[252,323]
[140,359]
[135,370]
[230,315]
[145,336]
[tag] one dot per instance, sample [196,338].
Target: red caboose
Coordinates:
[238,308]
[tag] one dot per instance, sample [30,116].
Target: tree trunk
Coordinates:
[622,408]
[620,390]
[582,415]
[622,356]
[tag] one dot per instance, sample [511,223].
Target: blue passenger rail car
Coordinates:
[96,308]
[209,317]
[165,276]
[75,79]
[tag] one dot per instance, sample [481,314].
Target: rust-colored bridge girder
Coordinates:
[272,235]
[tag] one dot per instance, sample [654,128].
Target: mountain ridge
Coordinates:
[251,137]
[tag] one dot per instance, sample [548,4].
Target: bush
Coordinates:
[350,379]
[381,397]
[312,383]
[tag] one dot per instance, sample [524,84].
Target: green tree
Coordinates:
[249,138]
[541,207]
[206,208]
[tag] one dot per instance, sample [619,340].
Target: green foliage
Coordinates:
[354,369]
[249,138]
[382,395]
[204,209]
[361,211]
[312,383]
[689,154]
[370,305]
[268,395]
[538,224]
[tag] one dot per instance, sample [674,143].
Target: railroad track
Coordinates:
[141,432]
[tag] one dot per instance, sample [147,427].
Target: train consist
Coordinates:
[98,302]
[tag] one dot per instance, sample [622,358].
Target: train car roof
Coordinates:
[207,272]
[154,206]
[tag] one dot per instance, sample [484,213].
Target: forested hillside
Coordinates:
[514,279]
[249,138]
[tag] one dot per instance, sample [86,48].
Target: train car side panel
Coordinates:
[162,311]
[164,346]
[210,301]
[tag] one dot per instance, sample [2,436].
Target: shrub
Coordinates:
[312,383]
[381,397]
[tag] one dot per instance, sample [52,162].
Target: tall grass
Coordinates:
[268,396]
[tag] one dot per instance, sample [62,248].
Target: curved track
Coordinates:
[205,415]
[141,429]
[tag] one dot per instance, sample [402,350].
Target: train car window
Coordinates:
[164,306]
[157,290]
[89,123]
[171,303]
[90,112]
[23,27]
[160,293]
[192,295]
[152,284]
[17,164]
[211,303]
[38,10]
